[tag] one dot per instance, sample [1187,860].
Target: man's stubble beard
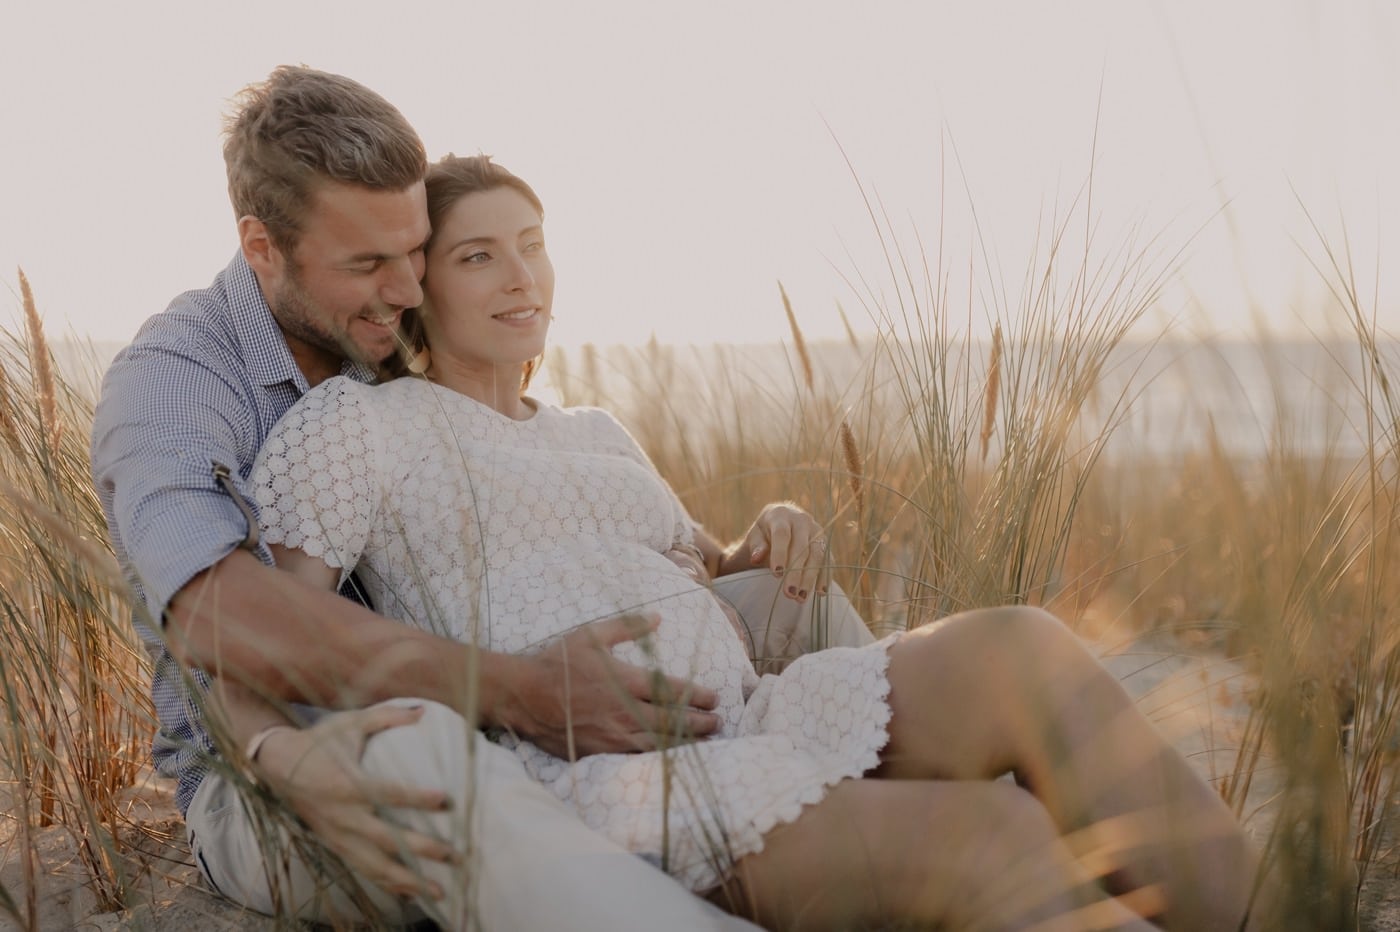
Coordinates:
[298,314]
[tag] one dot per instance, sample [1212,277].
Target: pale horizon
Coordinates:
[690,158]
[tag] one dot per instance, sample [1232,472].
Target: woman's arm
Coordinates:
[299,563]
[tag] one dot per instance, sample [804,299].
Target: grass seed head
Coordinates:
[798,342]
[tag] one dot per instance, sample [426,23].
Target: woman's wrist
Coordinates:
[255,743]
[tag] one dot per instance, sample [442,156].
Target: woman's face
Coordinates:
[489,285]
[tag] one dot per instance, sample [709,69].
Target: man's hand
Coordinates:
[316,772]
[788,541]
[577,699]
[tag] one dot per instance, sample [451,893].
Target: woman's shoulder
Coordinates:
[406,388]
[582,415]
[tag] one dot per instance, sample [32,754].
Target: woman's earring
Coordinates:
[420,362]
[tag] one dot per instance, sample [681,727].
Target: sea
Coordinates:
[1314,396]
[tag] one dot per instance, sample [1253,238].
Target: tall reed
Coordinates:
[74,699]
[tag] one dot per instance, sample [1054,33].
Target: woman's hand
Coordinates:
[788,541]
[316,771]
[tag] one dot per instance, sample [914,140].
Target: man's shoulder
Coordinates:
[179,356]
[196,323]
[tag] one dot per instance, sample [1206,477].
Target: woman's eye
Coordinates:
[535,246]
[476,257]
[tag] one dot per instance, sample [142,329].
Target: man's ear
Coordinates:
[261,254]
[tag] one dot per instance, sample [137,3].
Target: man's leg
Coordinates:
[531,864]
[781,629]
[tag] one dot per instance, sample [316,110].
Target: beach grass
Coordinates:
[952,471]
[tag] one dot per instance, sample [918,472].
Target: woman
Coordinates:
[854,788]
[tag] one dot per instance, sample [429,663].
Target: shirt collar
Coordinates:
[264,347]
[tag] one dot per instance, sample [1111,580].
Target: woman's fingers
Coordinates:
[374,855]
[401,795]
[319,774]
[396,842]
[796,549]
[384,716]
[808,574]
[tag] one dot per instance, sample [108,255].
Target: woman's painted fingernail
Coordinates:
[802,593]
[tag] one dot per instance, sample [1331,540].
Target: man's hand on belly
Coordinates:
[575,698]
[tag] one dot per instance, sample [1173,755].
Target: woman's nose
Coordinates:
[522,277]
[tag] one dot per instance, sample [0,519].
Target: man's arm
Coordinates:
[286,639]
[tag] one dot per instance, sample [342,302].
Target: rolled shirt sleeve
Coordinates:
[164,422]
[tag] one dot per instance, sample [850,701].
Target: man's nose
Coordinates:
[400,287]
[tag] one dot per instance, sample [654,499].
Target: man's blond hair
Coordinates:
[302,127]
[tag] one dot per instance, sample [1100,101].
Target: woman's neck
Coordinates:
[497,388]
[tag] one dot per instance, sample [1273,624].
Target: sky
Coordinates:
[692,155]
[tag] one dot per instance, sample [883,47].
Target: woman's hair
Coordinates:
[450,179]
[301,128]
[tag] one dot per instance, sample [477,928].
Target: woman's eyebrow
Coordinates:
[487,239]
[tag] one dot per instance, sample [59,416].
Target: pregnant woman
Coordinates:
[854,788]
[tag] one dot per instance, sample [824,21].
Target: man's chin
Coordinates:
[374,355]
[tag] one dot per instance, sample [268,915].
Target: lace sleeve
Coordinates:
[611,429]
[316,479]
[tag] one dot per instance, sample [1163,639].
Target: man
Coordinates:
[326,182]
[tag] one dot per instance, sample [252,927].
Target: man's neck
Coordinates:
[315,363]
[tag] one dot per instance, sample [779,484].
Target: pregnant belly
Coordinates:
[556,591]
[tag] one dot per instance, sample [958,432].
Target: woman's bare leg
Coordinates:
[987,692]
[959,855]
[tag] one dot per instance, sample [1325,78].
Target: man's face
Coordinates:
[355,268]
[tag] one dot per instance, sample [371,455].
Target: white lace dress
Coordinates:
[510,533]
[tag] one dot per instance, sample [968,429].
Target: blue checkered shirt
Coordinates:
[202,384]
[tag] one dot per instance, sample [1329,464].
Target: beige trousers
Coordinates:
[531,865]
[780,630]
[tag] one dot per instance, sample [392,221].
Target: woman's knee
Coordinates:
[1017,642]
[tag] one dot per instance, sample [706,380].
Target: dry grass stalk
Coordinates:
[41,366]
[851,337]
[855,468]
[798,342]
[989,408]
[8,426]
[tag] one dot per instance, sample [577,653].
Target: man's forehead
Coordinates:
[358,211]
